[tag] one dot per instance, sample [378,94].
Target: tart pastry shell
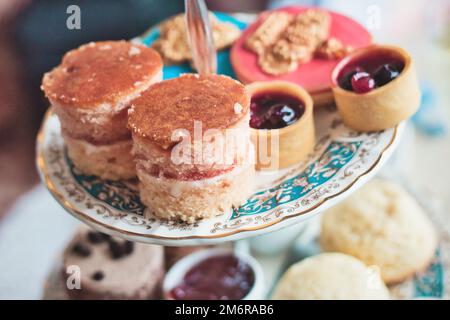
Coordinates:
[281,148]
[384,107]
[322,98]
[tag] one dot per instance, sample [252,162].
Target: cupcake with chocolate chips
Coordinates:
[111,268]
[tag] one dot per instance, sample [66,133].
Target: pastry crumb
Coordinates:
[237,108]
[134,51]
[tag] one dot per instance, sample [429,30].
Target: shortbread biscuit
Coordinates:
[382,225]
[330,276]
[315,22]
[225,34]
[268,31]
[332,49]
[315,34]
[290,51]
[276,65]
[282,41]
[173,44]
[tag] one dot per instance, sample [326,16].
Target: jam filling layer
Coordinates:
[274,110]
[216,278]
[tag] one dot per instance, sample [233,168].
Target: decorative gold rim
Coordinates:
[43,171]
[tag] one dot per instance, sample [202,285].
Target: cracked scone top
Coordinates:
[330,276]
[382,225]
[218,102]
[101,72]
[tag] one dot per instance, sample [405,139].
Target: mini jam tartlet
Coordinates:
[182,177]
[89,92]
[375,88]
[282,124]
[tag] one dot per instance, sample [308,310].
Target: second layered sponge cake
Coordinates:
[191,143]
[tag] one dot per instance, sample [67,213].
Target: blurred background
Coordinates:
[34,36]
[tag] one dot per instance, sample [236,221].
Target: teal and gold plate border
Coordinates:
[342,161]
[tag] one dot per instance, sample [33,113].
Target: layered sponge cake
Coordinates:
[192,148]
[90,92]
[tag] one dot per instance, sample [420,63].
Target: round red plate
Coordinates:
[314,76]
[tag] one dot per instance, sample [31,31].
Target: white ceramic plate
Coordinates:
[342,161]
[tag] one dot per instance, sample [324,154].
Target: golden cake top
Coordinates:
[100,72]
[217,101]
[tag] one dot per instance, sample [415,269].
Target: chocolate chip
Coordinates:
[95,237]
[81,250]
[98,275]
[128,247]
[117,250]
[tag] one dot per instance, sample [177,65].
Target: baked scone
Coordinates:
[89,91]
[177,128]
[382,225]
[330,276]
[112,268]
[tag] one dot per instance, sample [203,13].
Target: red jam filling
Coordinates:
[223,277]
[370,72]
[274,110]
[193,175]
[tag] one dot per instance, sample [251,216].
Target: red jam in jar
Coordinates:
[274,110]
[223,277]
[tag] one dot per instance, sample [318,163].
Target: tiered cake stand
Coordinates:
[342,161]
